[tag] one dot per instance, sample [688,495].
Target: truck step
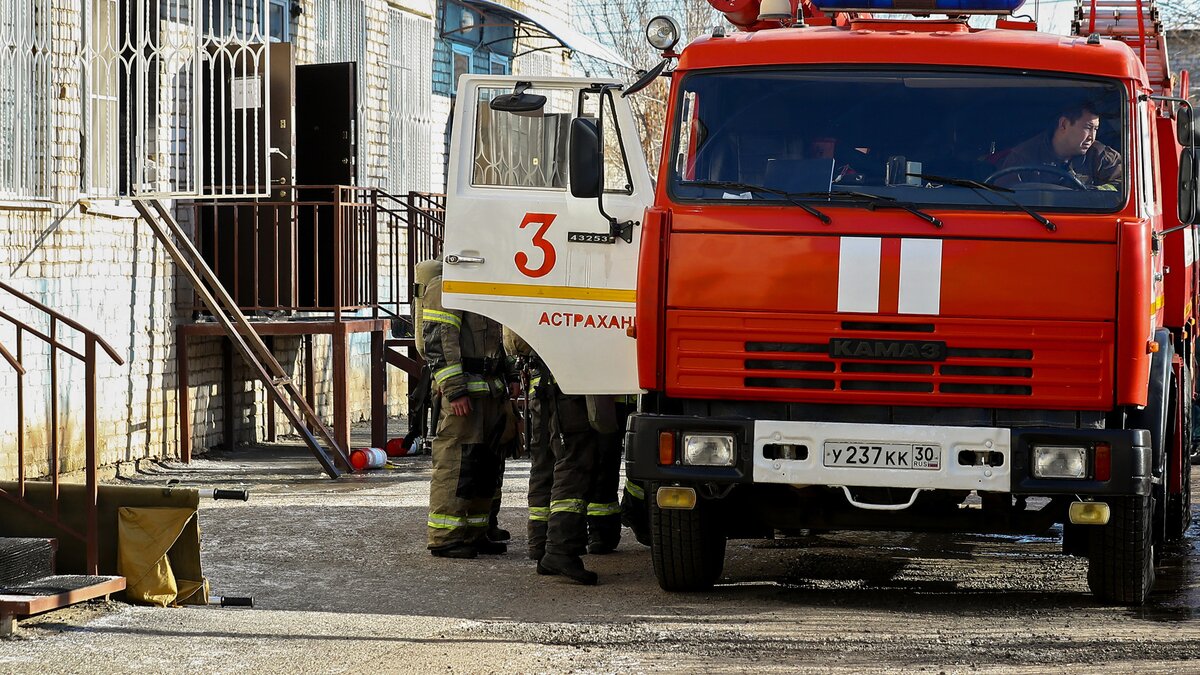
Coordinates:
[45,593]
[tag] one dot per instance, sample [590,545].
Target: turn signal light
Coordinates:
[1103,470]
[676,498]
[1089,513]
[666,448]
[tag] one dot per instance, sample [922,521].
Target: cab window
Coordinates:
[522,150]
[1049,142]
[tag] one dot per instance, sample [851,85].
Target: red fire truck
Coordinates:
[894,274]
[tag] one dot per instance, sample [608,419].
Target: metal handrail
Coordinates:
[90,536]
[332,250]
[64,319]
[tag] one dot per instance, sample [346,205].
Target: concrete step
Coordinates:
[25,559]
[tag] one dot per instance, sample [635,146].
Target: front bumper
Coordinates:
[1130,456]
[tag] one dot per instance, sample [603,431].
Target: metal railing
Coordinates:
[331,249]
[426,227]
[88,357]
[416,225]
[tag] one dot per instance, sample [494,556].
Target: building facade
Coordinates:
[77,138]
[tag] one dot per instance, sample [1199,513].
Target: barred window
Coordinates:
[26,84]
[101,113]
[410,128]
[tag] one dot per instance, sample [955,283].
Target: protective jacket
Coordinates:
[464,350]
[1099,167]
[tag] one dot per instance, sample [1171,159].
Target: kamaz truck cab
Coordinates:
[893,274]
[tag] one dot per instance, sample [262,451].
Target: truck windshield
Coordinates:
[1048,143]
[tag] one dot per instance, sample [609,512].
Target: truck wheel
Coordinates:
[1179,507]
[1121,553]
[687,547]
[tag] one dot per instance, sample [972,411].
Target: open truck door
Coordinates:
[520,248]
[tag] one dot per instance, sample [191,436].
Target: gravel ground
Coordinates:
[342,582]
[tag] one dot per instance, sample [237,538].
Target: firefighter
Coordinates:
[471,377]
[563,461]
[1070,146]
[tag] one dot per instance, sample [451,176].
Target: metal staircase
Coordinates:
[1137,24]
[245,338]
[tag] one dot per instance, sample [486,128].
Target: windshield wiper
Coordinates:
[873,202]
[747,187]
[978,185]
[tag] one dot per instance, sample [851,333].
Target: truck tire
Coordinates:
[687,547]
[1179,507]
[1121,553]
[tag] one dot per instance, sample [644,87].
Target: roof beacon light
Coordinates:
[953,7]
[775,10]
[663,33]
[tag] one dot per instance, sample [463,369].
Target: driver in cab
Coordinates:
[1071,148]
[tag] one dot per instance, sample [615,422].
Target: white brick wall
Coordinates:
[109,274]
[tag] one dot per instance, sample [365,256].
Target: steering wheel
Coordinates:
[1065,178]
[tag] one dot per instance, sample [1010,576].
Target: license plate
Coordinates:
[924,456]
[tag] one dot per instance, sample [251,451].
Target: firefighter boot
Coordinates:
[488,547]
[569,566]
[537,535]
[495,532]
[604,533]
[462,551]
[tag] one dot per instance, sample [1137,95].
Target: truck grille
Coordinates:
[927,384]
[1026,363]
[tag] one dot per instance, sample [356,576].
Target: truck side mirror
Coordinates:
[1185,128]
[1189,172]
[519,102]
[586,167]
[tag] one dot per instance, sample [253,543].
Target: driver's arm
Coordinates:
[1109,173]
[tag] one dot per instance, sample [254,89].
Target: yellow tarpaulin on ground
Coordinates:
[158,553]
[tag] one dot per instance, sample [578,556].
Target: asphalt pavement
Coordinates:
[341,582]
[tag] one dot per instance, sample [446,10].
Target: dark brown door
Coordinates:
[326,120]
[326,154]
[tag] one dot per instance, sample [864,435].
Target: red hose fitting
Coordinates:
[741,13]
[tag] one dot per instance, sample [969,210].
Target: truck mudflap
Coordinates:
[884,455]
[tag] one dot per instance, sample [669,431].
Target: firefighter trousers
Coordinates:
[466,471]
[570,474]
[604,509]
[542,444]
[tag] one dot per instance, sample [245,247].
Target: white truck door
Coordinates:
[520,249]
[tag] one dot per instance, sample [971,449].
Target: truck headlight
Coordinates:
[663,33]
[708,449]
[1059,461]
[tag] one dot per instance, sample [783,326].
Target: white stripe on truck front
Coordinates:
[920,276]
[950,440]
[858,275]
